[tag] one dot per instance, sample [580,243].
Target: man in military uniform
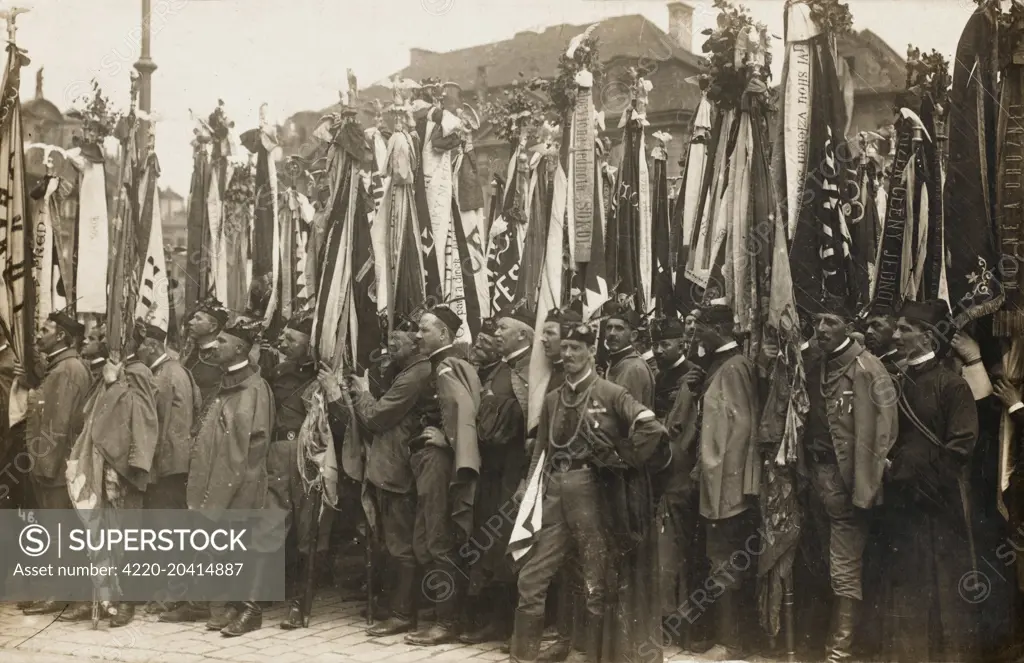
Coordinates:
[626,367]
[95,352]
[550,339]
[229,464]
[675,405]
[394,421]
[289,380]
[446,464]
[728,467]
[178,401]
[501,424]
[850,426]
[581,432]
[203,327]
[930,547]
[55,420]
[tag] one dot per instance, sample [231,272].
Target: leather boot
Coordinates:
[526,633]
[840,641]
[595,638]
[445,629]
[403,603]
[727,646]
[79,612]
[560,649]
[186,611]
[124,615]
[497,611]
[294,619]
[159,607]
[44,607]
[231,612]
[248,620]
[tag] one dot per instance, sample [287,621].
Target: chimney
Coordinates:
[419,56]
[481,84]
[680,24]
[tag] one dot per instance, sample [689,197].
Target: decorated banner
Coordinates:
[1009,321]
[154,304]
[662,294]
[584,133]
[969,195]
[17,293]
[889,267]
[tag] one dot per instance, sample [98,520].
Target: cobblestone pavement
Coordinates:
[336,633]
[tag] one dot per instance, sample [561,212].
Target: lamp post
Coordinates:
[145,66]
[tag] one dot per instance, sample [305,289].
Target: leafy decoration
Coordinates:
[1011,34]
[522,111]
[736,51]
[587,57]
[832,16]
[928,74]
[97,113]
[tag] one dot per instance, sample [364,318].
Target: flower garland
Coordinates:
[928,73]
[737,50]
[1011,35]
[585,57]
[521,113]
[97,114]
[831,16]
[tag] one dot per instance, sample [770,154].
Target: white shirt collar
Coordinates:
[517,354]
[917,361]
[129,357]
[159,360]
[97,361]
[890,353]
[239,366]
[679,362]
[207,346]
[440,350]
[56,352]
[573,385]
[4,346]
[728,346]
[804,346]
[842,346]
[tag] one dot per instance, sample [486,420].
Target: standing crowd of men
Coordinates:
[505,528]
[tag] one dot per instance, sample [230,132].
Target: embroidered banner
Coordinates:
[583,135]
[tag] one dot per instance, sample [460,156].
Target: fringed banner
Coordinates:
[93,245]
[196,273]
[974,288]
[503,246]
[154,304]
[45,266]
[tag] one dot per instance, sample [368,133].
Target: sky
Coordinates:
[293,54]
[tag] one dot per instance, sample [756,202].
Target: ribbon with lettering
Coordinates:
[1009,321]
[584,132]
[887,296]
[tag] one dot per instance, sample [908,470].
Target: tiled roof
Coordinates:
[537,54]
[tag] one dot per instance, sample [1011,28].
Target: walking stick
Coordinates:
[95,609]
[307,599]
[369,574]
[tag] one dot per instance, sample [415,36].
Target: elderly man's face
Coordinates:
[485,350]
[432,334]
[401,346]
[510,336]
[668,351]
[294,345]
[230,350]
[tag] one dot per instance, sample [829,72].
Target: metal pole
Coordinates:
[145,66]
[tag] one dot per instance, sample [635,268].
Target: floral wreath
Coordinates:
[736,52]
[97,114]
[521,113]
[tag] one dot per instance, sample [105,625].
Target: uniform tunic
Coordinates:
[728,464]
[927,616]
[229,466]
[594,433]
[501,427]
[54,422]
[628,369]
[853,401]
[289,382]
[206,374]
[178,401]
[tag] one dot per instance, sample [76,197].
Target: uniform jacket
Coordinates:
[392,422]
[289,381]
[125,426]
[55,416]
[681,423]
[628,369]
[178,403]
[520,373]
[729,464]
[458,396]
[921,470]
[862,416]
[620,431]
[557,376]
[229,466]
[206,374]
